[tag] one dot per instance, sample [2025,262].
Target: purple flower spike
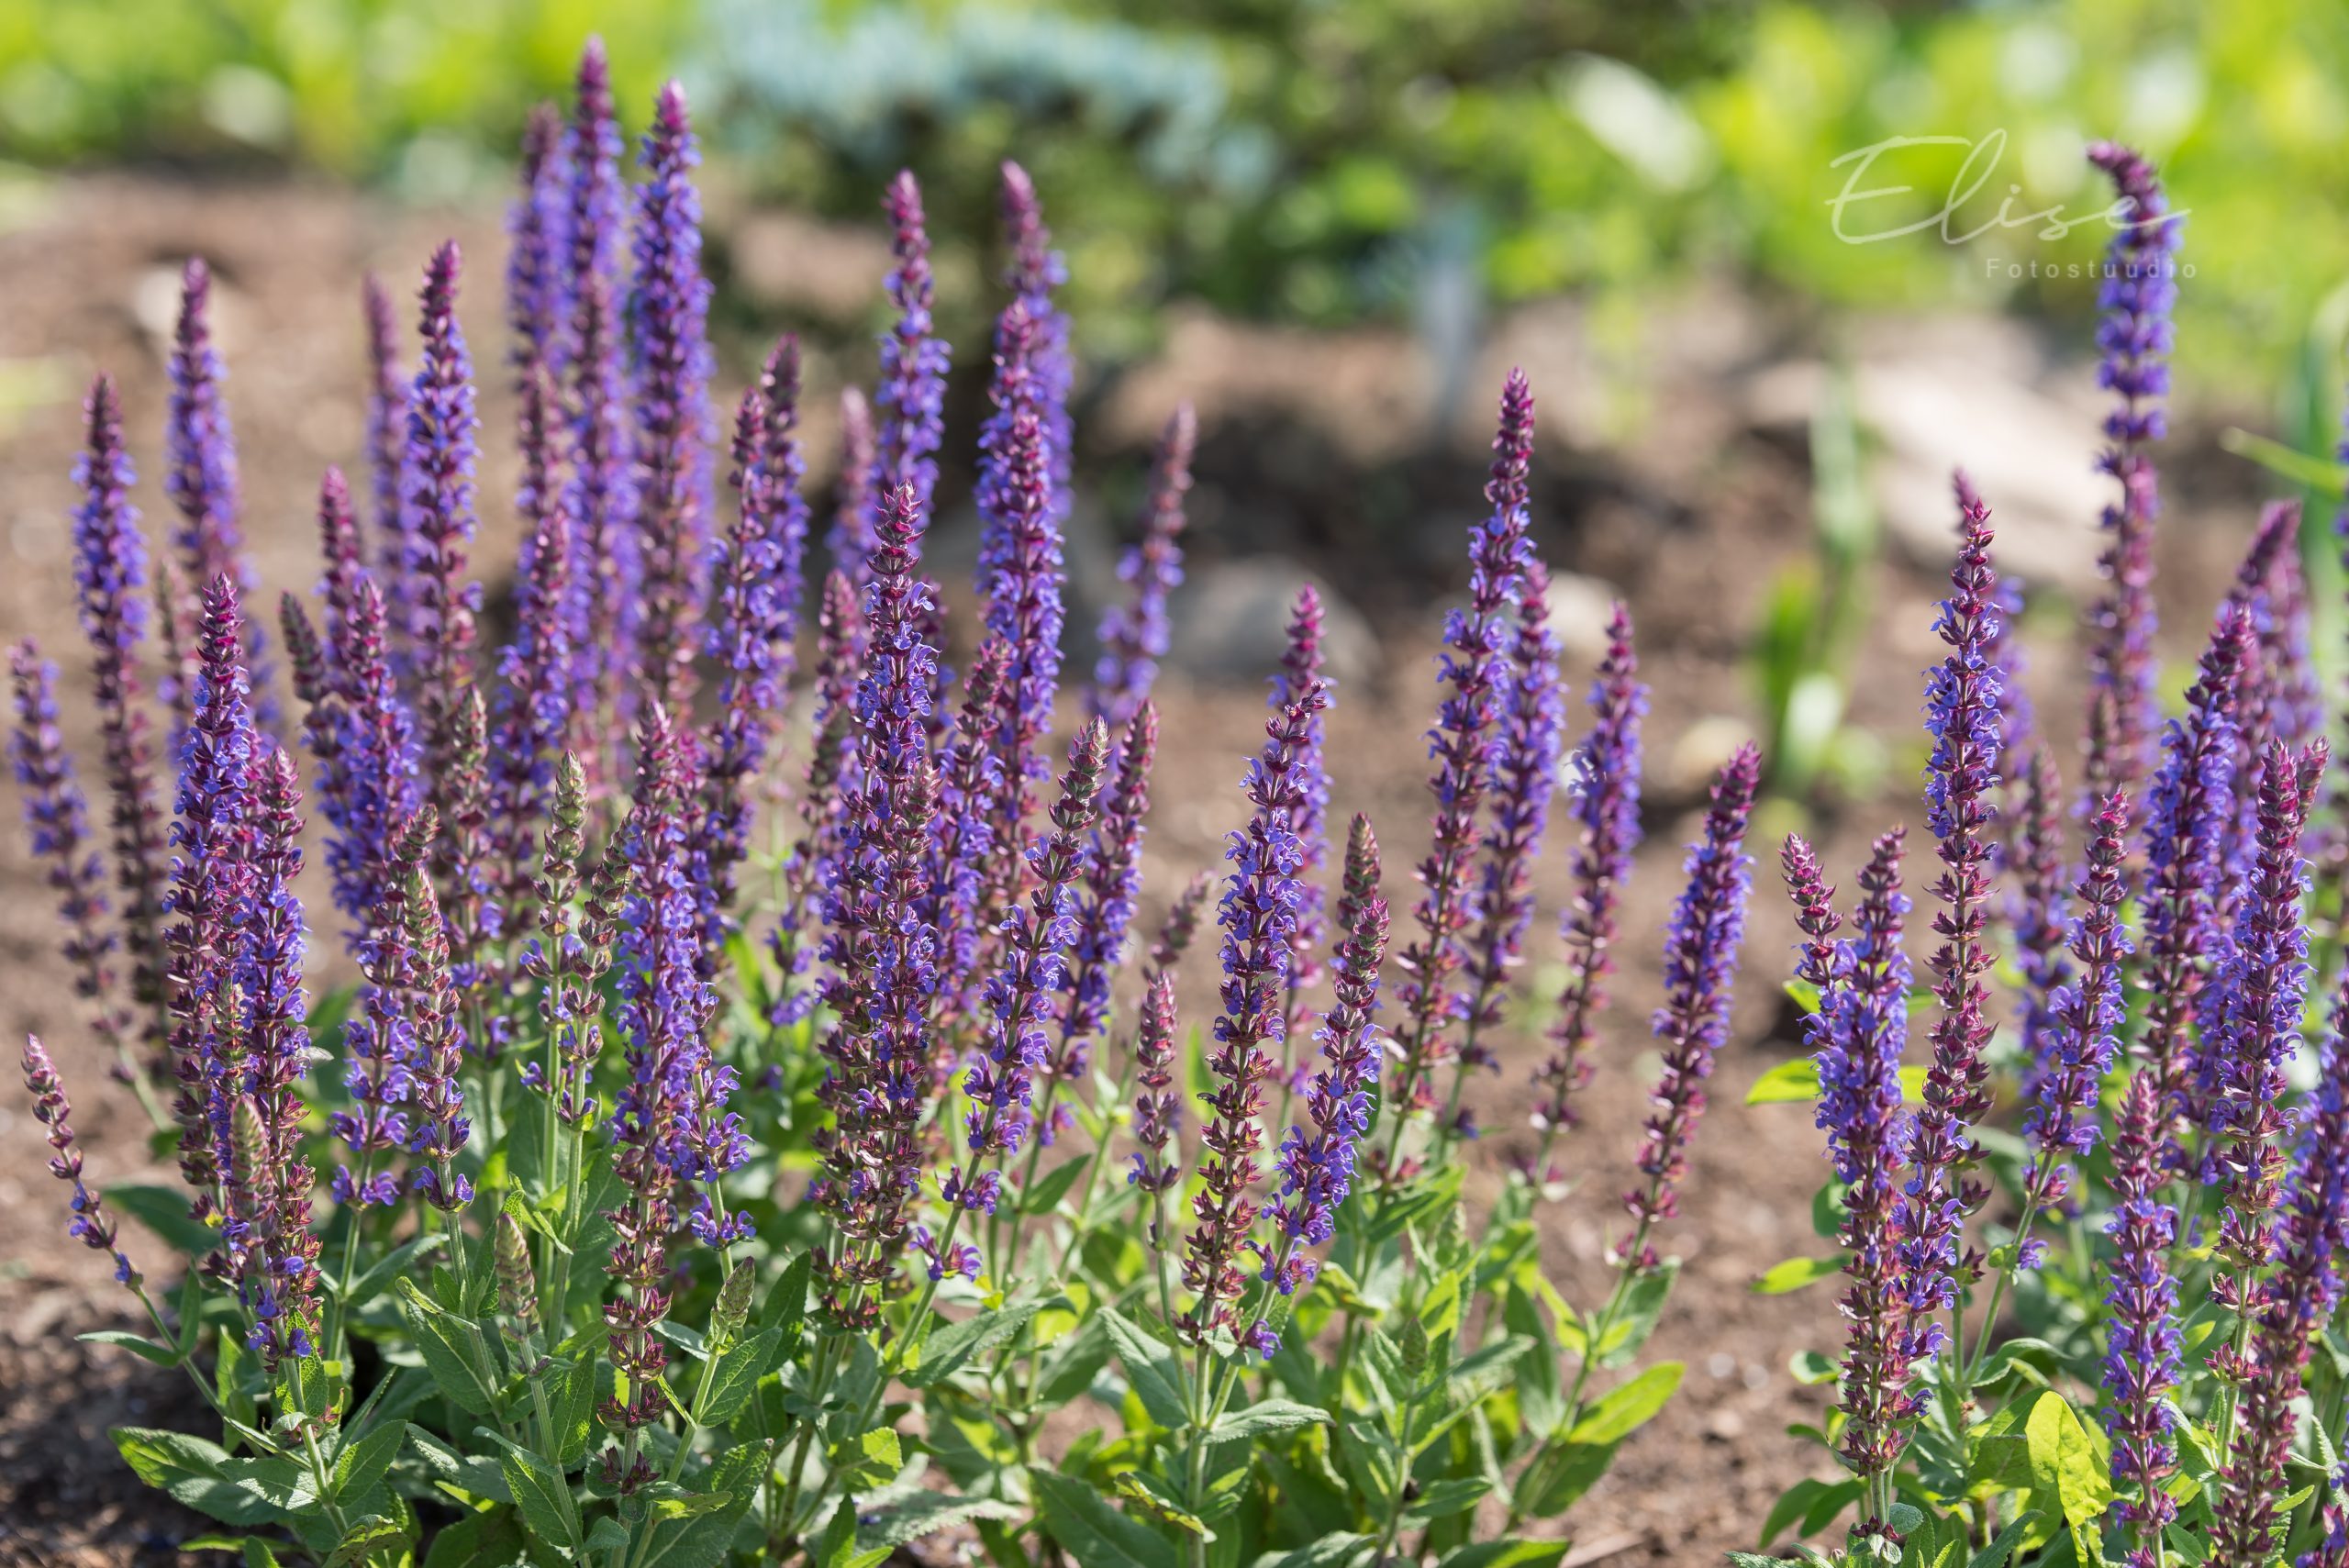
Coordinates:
[340,549]
[536,310]
[1533,736]
[442,446]
[200,475]
[668,318]
[1019,564]
[467,866]
[2018,726]
[2139,291]
[2036,858]
[270,1180]
[673,1109]
[604,569]
[970,795]
[880,948]
[2300,1300]
[1318,1169]
[2142,1348]
[911,408]
[1300,670]
[91,1225]
[570,957]
[1475,668]
[532,717]
[1036,270]
[1133,634]
[1962,715]
[368,779]
[1037,939]
[1158,1103]
[379,1039]
[387,391]
[211,879]
[758,616]
[58,819]
[111,584]
[2185,820]
[438,1129]
[2084,1018]
[1857,1031]
[1257,914]
[1106,902]
[1700,973]
[2241,1069]
[1607,804]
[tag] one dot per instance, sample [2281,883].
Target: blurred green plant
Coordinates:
[1315,161]
[1814,616]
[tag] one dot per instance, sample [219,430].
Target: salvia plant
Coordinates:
[767,1129]
[2099,1324]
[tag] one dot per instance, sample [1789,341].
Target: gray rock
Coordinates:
[1230,623]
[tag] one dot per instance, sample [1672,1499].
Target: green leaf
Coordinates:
[1269,1415]
[398,1262]
[1793,1081]
[1540,1402]
[786,1308]
[1634,1320]
[542,1494]
[1506,1554]
[1810,1368]
[198,1474]
[702,1541]
[361,1462]
[948,1349]
[257,1551]
[1442,1499]
[1562,1471]
[447,1346]
[735,1376]
[1096,1533]
[491,1540]
[1070,1368]
[917,1514]
[163,1210]
[1053,1186]
[1162,1501]
[368,1537]
[1781,1279]
[138,1345]
[1628,1407]
[2066,1462]
[2003,1544]
[1152,1370]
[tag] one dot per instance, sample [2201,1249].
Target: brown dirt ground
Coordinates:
[86,278]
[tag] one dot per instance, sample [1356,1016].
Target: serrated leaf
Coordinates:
[1092,1529]
[1152,1370]
[1794,1274]
[543,1495]
[701,1542]
[910,1519]
[360,1464]
[448,1352]
[365,1538]
[735,1375]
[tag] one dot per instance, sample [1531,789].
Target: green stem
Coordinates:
[321,1479]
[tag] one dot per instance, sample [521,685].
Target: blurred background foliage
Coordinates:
[1318,161]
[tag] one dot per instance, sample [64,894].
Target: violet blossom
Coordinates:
[1133,635]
